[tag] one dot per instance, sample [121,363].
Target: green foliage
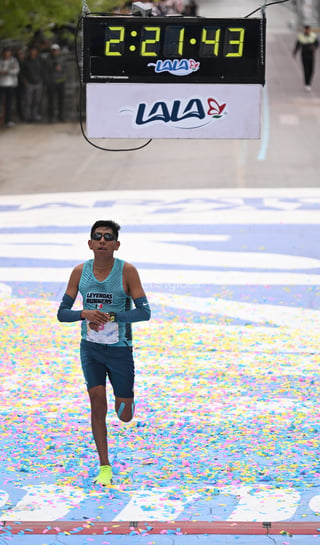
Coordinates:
[20,19]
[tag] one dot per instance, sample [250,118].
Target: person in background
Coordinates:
[191,9]
[20,89]
[307,42]
[9,70]
[55,83]
[32,76]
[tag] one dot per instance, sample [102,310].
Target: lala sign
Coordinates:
[183,114]
[182,67]
[186,110]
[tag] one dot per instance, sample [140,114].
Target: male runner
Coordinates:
[108,286]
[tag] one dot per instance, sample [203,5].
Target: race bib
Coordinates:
[107,334]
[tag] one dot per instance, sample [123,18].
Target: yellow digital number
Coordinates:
[114,46]
[239,42]
[180,42]
[150,46]
[215,42]
[173,41]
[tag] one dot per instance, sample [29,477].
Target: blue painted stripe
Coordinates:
[34,263]
[179,228]
[18,262]
[294,296]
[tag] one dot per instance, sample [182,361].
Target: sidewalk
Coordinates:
[53,158]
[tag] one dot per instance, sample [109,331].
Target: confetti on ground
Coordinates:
[218,409]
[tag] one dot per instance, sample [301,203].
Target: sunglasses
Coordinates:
[106,236]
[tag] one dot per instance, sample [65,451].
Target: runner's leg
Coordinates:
[98,401]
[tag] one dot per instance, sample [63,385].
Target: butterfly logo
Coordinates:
[215,109]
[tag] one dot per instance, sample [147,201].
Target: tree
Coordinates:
[21,19]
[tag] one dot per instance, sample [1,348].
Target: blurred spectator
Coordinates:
[191,9]
[161,6]
[20,89]
[307,42]
[32,75]
[173,7]
[9,69]
[55,81]
[158,7]
[41,43]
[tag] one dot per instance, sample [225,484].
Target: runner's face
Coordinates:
[103,246]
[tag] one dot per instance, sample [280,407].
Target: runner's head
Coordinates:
[108,224]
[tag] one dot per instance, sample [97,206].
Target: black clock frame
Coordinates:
[124,62]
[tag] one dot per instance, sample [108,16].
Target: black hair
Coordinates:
[108,224]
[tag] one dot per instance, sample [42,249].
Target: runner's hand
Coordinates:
[95,316]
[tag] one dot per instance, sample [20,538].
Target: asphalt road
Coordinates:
[56,158]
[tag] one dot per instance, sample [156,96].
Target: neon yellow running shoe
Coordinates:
[105,476]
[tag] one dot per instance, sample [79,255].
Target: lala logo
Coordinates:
[188,113]
[182,67]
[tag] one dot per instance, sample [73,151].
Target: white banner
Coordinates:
[131,110]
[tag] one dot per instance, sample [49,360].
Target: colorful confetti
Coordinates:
[227,383]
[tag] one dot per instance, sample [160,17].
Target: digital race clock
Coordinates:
[173,50]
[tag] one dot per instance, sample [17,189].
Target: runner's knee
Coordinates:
[125,410]
[98,399]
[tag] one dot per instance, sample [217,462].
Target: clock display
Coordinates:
[173,50]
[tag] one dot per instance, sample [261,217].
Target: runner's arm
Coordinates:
[65,312]
[133,287]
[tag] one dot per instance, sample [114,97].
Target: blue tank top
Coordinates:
[107,296]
